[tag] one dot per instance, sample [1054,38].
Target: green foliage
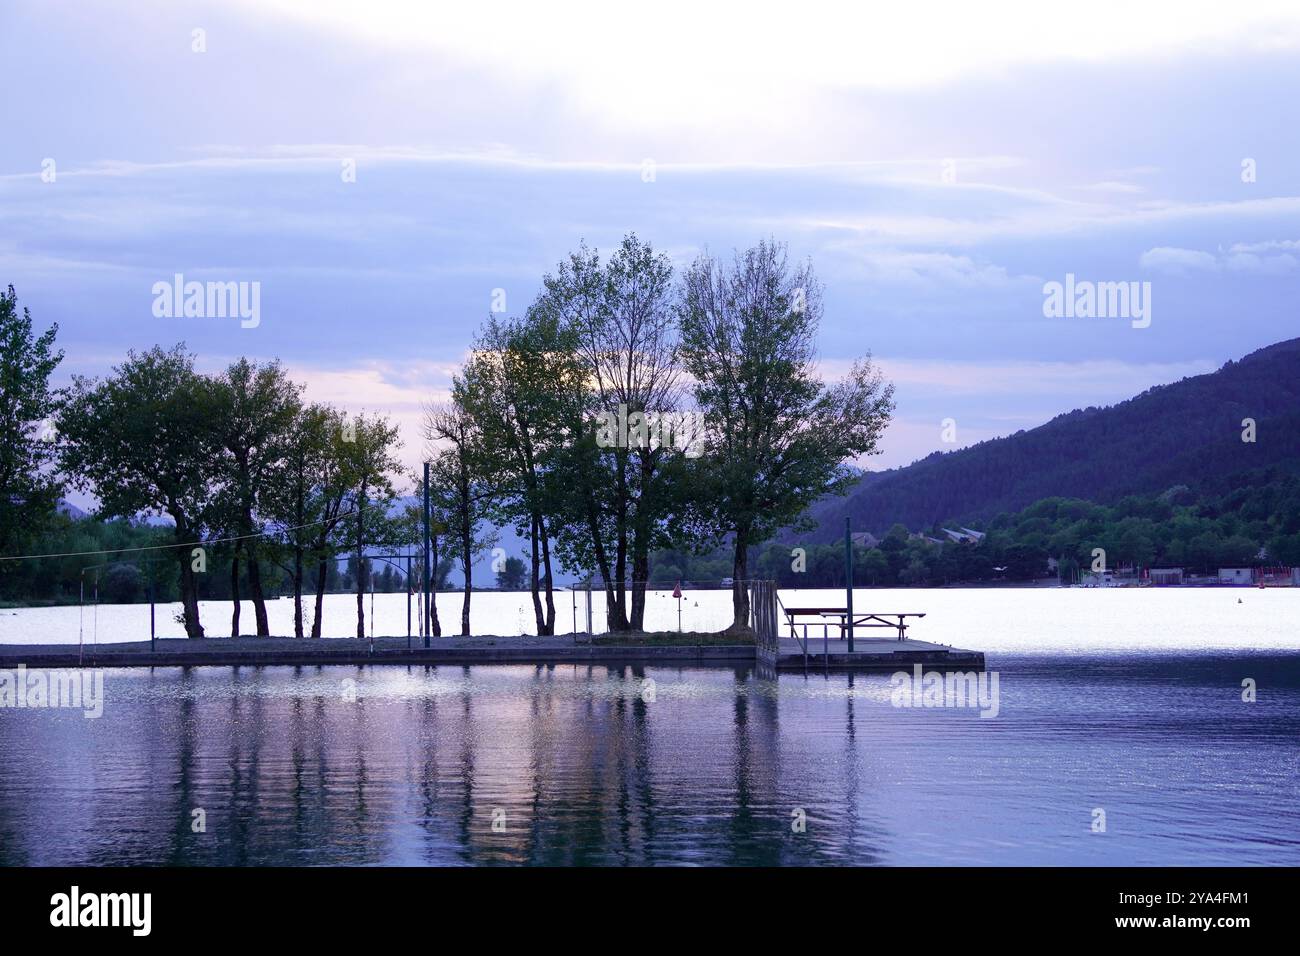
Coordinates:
[511,576]
[1228,529]
[142,440]
[777,439]
[122,572]
[28,489]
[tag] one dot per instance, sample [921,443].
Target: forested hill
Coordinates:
[1186,433]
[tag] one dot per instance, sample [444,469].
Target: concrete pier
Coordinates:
[869,654]
[874,654]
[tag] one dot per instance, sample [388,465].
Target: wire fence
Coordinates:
[578,610]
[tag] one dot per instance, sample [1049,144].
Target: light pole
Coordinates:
[428,576]
[848,581]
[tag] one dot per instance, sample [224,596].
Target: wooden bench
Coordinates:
[895,620]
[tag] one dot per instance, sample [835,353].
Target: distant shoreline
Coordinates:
[956,586]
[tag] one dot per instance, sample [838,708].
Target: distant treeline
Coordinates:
[113,570]
[628,410]
[1254,521]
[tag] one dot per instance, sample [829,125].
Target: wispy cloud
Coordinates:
[1274,257]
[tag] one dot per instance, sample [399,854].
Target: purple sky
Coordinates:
[937,165]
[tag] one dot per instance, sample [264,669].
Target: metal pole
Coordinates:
[408,602]
[848,581]
[153,635]
[427,575]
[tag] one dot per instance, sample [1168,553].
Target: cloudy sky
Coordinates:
[938,162]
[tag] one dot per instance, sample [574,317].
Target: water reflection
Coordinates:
[578,765]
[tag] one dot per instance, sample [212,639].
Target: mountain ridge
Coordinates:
[1185,432]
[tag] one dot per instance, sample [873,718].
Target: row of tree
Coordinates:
[630,409]
[236,460]
[117,562]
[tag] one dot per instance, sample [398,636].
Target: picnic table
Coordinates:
[895,620]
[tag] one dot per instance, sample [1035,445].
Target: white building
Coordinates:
[1235,576]
[1166,576]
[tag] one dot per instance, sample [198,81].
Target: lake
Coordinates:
[1118,702]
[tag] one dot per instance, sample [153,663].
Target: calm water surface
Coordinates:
[342,765]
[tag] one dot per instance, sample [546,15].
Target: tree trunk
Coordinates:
[620,554]
[533,574]
[641,532]
[322,573]
[467,563]
[190,598]
[614,621]
[255,589]
[640,574]
[297,590]
[300,519]
[550,579]
[361,604]
[739,585]
[435,626]
[234,592]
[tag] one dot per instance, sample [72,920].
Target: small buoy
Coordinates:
[1238,600]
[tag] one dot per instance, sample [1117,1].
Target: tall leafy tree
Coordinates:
[29,488]
[619,317]
[328,480]
[464,490]
[777,437]
[141,441]
[254,409]
[297,504]
[369,448]
[631,354]
[514,388]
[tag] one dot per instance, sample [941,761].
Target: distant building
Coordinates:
[865,539]
[1234,576]
[1163,577]
[975,535]
[963,535]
